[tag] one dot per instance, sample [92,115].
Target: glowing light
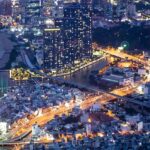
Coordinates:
[12,29]
[100,134]
[67,105]
[140,89]
[49,22]
[54,29]
[89,120]
[120,48]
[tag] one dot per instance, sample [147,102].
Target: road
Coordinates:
[123,55]
[50,113]
[23,127]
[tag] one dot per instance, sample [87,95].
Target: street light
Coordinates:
[120,48]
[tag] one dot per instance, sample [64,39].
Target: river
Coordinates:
[82,76]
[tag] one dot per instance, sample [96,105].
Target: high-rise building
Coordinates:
[16,10]
[60,33]
[33,10]
[77,32]
[131,10]
[121,7]
[67,33]
[4,81]
[86,33]
[53,45]
[5,7]
[72,37]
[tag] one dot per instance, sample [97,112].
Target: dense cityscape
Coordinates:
[74,74]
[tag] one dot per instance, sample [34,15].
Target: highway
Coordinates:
[123,55]
[103,97]
[50,114]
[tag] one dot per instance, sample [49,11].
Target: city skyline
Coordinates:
[74,74]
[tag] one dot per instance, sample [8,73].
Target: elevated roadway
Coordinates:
[103,97]
[123,55]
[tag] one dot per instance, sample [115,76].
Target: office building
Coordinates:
[53,45]
[60,34]
[16,10]
[5,8]
[77,32]
[33,10]
[86,9]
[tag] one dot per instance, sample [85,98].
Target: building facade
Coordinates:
[60,33]
[5,8]
[77,32]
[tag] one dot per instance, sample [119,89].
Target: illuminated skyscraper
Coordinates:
[53,45]
[86,31]
[67,34]
[77,32]
[72,27]
[53,35]
[60,33]
[5,7]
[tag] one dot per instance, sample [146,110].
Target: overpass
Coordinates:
[89,88]
[97,90]
[105,95]
[7,144]
[110,95]
[122,55]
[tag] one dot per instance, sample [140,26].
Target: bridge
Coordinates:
[123,55]
[97,90]
[112,95]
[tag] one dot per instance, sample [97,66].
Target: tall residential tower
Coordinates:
[61,31]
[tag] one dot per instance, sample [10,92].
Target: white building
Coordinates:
[118,79]
[88,128]
[125,127]
[84,118]
[142,71]
[3,128]
[79,96]
[127,81]
[140,126]
[131,9]
[36,130]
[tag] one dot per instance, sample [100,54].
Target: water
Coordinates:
[82,76]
